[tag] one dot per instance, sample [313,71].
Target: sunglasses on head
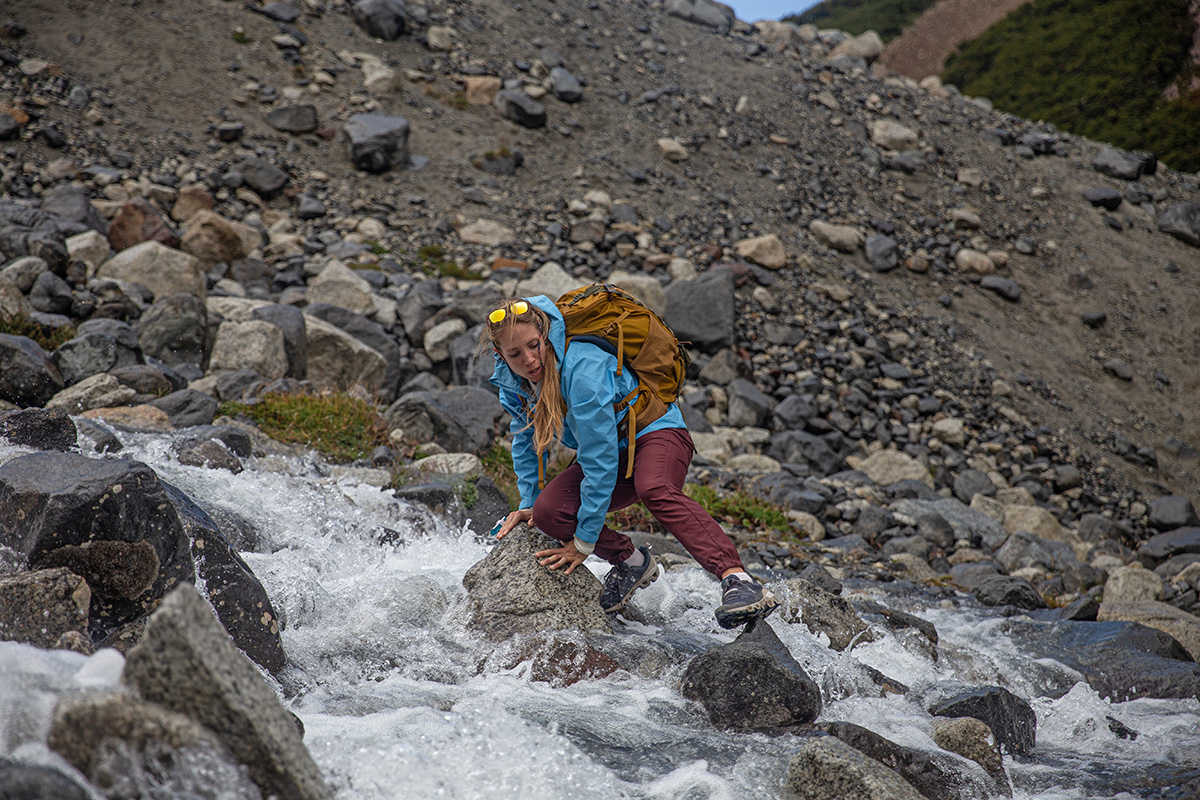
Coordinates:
[519,308]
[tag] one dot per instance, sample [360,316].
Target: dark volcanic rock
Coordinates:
[236,594]
[187,407]
[1011,719]
[1007,590]
[1171,543]
[28,377]
[1172,511]
[918,768]
[383,19]
[753,683]
[44,429]
[42,607]
[516,105]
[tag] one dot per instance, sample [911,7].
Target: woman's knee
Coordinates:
[546,518]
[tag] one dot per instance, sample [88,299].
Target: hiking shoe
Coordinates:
[742,601]
[622,581]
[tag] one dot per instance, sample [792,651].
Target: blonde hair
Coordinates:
[550,408]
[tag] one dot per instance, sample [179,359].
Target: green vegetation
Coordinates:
[49,339]
[497,465]
[376,248]
[1097,68]
[431,260]
[886,17]
[241,37]
[340,427]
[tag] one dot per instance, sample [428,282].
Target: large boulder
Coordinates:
[753,683]
[211,238]
[337,361]
[108,521]
[383,19]
[1176,623]
[460,418]
[701,311]
[511,593]
[138,222]
[1182,220]
[187,664]
[28,376]
[70,202]
[174,329]
[159,268]
[935,778]
[337,285]
[41,429]
[30,231]
[255,345]
[234,591]
[377,142]
[1011,719]
[187,407]
[827,768]
[702,12]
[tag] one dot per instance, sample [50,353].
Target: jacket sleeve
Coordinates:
[523,454]
[590,387]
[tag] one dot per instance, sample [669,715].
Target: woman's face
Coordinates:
[520,346]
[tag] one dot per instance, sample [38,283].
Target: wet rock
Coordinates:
[68,500]
[377,142]
[28,377]
[972,738]
[829,769]
[241,602]
[42,429]
[511,593]
[753,683]
[1176,623]
[516,105]
[1007,590]
[138,222]
[39,607]
[383,19]
[933,780]
[50,294]
[23,781]
[85,356]
[1010,718]
[460,418]
[821,612]
[186,663]
[160,269]
[559,659]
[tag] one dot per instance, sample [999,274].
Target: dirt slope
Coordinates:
[924,47]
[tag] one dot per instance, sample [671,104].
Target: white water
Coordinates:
[399,699]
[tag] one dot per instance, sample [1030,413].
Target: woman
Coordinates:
[558,393]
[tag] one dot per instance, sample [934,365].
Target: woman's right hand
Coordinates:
[513,520]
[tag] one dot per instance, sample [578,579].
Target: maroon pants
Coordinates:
[660,465]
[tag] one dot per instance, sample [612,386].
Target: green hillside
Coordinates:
[886,17]
[1096,68]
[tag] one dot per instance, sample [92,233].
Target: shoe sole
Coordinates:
[740,616]
[649,577]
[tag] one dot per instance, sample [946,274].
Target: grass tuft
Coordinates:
[340,427]
[47,338]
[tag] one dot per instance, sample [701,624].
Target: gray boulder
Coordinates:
[235,593]
[1162,546]
[85,356]
[377,142]
[974,526]
[266,179]
[187,664]
[1118,164]
[370,333]
[882,253]
[1007,590]
[518,106]
[28,376]
[827,768]
[290,320]
[701,12]
[753,683]
[51,294]
[21,781]
[1172,511]
[1182,220]
[187,407]
[383,19]
[700,311]
[511,593]
[30,231]
[748,406]
[565,86]
[461,419]
[935,778]
[174,330]
[1011,719]
[109,521]
[70,202]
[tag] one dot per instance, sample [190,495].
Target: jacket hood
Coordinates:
[503,376]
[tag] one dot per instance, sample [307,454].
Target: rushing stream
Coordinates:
[399,699]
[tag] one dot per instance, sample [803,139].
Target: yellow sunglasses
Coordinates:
[519,308]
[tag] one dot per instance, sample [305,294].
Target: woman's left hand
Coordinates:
[565,556]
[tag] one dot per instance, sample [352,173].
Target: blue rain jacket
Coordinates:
[590,385]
